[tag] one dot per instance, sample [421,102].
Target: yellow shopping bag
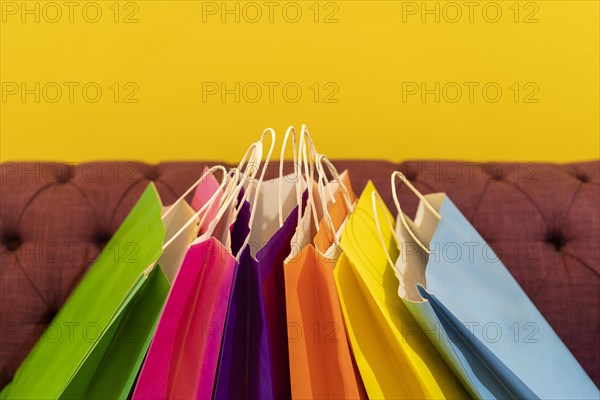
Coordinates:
[394,356]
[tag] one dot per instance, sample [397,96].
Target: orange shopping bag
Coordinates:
[321,364]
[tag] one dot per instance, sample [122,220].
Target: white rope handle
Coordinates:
[321,186]
[251,156]
[264,168]
[202,210]
[258,184]
[375,196]
[231,194]
[321,158]
[297,176]
[346,194]
[309,168]
[182,197]
[254,155]
[323,181]
[324,185]
[401,214]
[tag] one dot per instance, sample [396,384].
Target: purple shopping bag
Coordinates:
[254,355]
[183,357]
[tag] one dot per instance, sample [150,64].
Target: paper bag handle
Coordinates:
[309,169]
[401,214]
[321,158]
[297,176]
[206,206]
[259,182]
[188,191]
[375,196]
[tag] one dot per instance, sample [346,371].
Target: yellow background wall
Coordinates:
[360,66]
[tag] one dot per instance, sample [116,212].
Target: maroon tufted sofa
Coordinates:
[543,220]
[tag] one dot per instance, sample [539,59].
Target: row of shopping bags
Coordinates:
[295,288]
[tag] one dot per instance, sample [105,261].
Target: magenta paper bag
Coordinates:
[184,353]
[183,356]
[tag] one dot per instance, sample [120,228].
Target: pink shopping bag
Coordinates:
[204,191]
[183,356]
[182,359]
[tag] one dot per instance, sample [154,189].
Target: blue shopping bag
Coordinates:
[470,305]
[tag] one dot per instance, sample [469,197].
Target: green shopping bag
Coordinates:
[95,345]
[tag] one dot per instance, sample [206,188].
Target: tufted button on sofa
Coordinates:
[543,221]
